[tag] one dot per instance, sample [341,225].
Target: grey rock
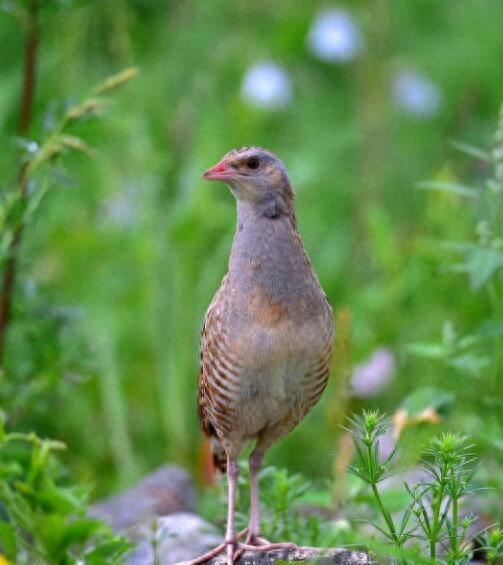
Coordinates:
[167,490]
[300,554]
[177,538]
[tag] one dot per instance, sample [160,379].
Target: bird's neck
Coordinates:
[276,208]
[267,251]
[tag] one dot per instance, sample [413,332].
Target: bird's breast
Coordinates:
[271,343]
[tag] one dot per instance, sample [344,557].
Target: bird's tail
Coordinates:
[219,455]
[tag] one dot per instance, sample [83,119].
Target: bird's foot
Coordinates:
[230,547]
[258,543]
[235,549]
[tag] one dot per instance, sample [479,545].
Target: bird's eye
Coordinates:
[253,163]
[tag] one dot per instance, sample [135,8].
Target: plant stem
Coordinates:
[454,536]
[385,514]
[27,97]
[437,506]
[433,543]
[373,484]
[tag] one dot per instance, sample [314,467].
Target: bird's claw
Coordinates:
[235,549]
[218,550]
[258,543]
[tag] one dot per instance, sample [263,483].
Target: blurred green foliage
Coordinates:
[43,517]
[124,253]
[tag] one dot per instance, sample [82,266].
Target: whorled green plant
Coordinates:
[451,467]
[432,519]
[371,468]
[491,542]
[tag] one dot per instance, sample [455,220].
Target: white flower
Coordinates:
[267,85]
[371,376]
[334,36]
[416,94]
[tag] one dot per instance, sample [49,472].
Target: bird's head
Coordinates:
[253,174]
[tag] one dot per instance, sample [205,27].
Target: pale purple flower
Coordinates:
[416,94]
[371,376]
[334,36]
[267,85]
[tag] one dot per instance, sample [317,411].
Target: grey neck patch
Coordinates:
[273,208]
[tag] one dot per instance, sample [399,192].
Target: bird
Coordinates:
[267,337]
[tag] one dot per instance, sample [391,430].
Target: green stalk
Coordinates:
[384,512]
[386,515]
[436,513]
[454,538]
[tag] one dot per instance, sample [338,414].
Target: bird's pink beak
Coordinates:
[221,171]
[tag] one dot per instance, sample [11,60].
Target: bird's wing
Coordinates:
[203,392]
[316,377]
[217,369]
[318,368]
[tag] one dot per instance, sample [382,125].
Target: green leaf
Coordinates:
[80,530]
[427,350]
[426,397]
[482,264]
[63,500]
[51,530]
[8,542]
[470,363]
[109,552]
[472,151]
[451,187]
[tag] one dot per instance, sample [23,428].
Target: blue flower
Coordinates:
[416,94]
[334,37]
[267,85]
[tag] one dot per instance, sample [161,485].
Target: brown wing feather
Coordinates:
[216,375]
[203,393]
[204,398]
[317,377]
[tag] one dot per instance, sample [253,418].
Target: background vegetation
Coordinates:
[123,244]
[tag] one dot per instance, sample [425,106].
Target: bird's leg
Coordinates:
[254,526]
[254,541]
[232,480]
[230,536]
